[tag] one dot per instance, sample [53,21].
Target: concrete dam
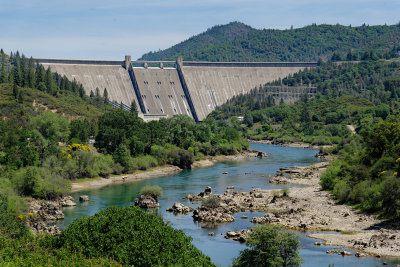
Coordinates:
[166,88]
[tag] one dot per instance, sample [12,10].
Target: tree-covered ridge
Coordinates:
[215,35]
[309,43]
[23,72]
[373,80]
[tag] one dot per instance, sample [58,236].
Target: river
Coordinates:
[243,175]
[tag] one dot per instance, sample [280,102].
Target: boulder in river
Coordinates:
[84,198]
[179,208]
[145,201]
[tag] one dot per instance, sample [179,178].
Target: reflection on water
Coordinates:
[243,175]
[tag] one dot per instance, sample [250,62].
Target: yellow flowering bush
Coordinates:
[75,148]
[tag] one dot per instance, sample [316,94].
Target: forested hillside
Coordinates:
[215,35]
[363,95]
[236,42]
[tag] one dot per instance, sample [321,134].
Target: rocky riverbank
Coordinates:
[160,171]
[308,209]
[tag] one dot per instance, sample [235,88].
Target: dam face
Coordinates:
[191,88]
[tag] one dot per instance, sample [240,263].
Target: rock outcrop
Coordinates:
[213,215]
[240,235]
[145,201]
[179,208]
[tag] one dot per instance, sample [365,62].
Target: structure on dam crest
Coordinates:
[166,88]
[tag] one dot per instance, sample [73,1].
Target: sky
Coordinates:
[111,29]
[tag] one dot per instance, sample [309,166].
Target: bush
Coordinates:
[391,196]
[211,202]
[40,183]
[269,246]
[285,192]
[181,158]
[27,251]
[154,191]
[12,222]
[131,237]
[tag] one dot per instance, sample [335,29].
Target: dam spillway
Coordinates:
[167,88]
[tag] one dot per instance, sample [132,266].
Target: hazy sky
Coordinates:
[100,29]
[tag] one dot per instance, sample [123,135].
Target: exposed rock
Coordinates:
[50,211]
[259,154]
[225,173]
[240,235]
[345,253]
[360,254]
[211,234]
[279,180]
[146,202]
[67,201]
[84,198]
[317,243]
[39,226]
[230,187]
[179,208]
[206,193]
[215,215]
[244,217]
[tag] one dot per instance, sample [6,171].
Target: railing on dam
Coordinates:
[79,61]
[249,64]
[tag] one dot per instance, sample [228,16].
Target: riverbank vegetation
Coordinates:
[356,108]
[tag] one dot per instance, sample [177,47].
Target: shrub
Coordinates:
[391,196]
[154,191]
[270,246]
[181,158]
[40,183]
[211,202]
[131,237]
[285,192]
[12,221]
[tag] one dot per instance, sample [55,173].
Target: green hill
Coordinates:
[216,35]
[239,42]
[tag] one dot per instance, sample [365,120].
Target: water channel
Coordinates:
[243,175]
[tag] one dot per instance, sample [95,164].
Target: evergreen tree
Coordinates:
[105,96]
[49,80]
[17,74]
[91,94]
[20,97]
[3,74]
[15,90]
[134,109]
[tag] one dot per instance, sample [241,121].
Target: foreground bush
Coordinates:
[270,246]
[26,251]
[131,237]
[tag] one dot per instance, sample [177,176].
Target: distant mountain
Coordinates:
[239,42]
[216,35]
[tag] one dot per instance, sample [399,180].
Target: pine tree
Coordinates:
[105,96]
[134,109]
[3,74]
[17,74]
[20,97]
[15,90]
[91,94]
[49,80]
